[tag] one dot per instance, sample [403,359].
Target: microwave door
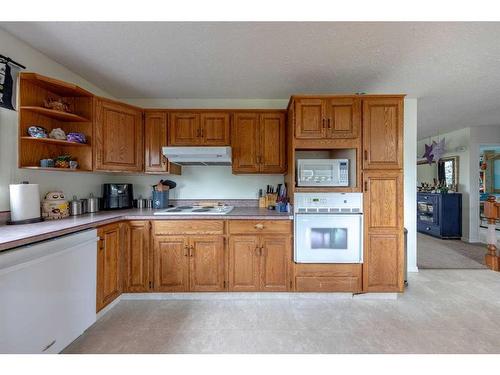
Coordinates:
[328,238]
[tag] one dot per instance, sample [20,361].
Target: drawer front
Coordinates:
[328,270]
[168,227]
[433,230]
[327,284]
[260,226]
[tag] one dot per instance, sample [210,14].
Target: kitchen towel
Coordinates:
[8,81]
[24,202]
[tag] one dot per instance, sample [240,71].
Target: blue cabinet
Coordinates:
[440,215]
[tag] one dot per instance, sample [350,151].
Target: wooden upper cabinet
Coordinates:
[155,138]
[137,256]
[199,129]
[206,264]
[310,118]
[343,117]
[275,254]
[258,141]
[170,259]
[245,143]
[215,129]
[119,142]
[108,265]
[244,263]
[184,129]
[383,133]
[272,158]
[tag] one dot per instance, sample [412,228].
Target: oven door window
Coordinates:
[329,238]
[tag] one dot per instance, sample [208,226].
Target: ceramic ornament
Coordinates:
[37,132]
[428,155]
[58,133]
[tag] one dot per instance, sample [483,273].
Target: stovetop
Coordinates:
[196,210]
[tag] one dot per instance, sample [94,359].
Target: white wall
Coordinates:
[410,181]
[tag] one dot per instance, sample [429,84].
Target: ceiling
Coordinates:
[452,68]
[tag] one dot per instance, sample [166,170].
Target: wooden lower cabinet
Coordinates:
[206,264]
[170,259]
[259,263]
[137,256]
[328,277]
[108,265]
[193,263]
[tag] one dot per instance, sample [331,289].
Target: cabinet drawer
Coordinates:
[168,227]
[431,229]
[328,270]
[327,284]
[260,226]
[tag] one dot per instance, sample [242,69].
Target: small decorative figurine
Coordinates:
[62,161]
[76,137]
[56,104]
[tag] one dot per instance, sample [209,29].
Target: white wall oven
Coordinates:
[328,227]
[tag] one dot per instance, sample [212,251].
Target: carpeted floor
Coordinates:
[448,254]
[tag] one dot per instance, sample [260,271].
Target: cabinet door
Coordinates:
[275,258]
[215,129]
[383,133]
[245,142]
[206,264]
[155,134]
[170,260]
[310,118]
[137,257]
[119,137]
[184,129]
[244,263]
[383,233]
[108,265]
[344,115]
[272,143]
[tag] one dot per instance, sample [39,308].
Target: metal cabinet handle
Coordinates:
[366,154]
[186,250]
[329,126]
[261,252]
[366,185]
[259,226]
[201,132]
[191,251]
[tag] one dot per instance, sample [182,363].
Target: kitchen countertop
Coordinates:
[18,235]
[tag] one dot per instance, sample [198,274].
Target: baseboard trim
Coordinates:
[101,313]
[233,296]
[413,269]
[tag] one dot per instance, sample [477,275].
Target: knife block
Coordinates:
[271,199]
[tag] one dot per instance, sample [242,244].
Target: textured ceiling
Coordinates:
[452,68]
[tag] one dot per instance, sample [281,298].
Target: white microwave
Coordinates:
[323,172]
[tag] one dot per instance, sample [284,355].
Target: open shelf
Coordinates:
[56,169]
[57,115]
[55,86]
[58,142]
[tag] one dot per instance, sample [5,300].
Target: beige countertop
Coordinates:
[17,235]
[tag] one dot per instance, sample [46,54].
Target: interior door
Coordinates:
[245,143]
[170,260]
[275,258]
[272,143]
[215,129]
[310,118]
[244,263]
[184,129]
[328,238]
[206,265]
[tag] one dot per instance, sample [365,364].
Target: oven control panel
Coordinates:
[328,202]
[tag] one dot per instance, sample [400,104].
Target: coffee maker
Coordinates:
[115,196]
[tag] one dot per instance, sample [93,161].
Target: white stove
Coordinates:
[195,210]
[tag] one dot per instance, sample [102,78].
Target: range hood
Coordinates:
[198,155]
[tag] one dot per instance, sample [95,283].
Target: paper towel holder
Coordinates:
[27,221]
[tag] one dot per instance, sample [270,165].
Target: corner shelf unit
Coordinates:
[33,90]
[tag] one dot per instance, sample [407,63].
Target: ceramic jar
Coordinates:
[55,206]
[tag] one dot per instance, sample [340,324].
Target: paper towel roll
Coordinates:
[24,202]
